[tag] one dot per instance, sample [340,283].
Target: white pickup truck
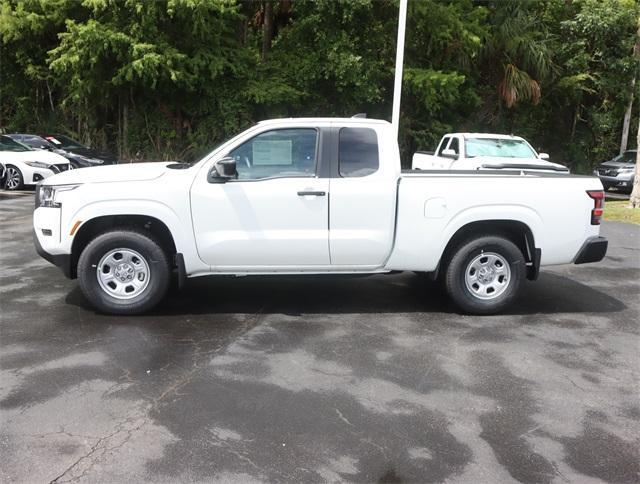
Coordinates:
[483,151]
[300,196]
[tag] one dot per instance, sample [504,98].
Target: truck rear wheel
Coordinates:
[484,274]
[123,272]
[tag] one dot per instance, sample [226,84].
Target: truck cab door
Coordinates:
[441,162]
[274,215]
[449,162]
[362,205]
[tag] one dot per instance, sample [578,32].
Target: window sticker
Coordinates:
[272,152]
[53,140]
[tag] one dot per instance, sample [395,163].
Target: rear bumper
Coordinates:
[63,261]
[593,250]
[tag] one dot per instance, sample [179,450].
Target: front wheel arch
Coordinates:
[94,227]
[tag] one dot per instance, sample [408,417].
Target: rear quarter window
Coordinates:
[358,152]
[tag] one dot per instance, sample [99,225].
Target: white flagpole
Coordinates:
[397,84]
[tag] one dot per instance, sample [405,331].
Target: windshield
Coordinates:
[61,141]
[502,148]
[219,146]
[7,144]
[626,157]
[36,142]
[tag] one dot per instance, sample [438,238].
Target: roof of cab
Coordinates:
[368,121]
[485,135]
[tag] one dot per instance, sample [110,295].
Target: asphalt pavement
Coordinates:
[316,379]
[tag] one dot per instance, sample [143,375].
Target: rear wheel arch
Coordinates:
[152,226]
[513,230]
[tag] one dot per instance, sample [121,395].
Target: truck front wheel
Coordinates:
[123,272]
[484,274]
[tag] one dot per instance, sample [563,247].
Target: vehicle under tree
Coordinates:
[312,196]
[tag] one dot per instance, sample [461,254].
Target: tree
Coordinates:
[168,79]
[627,115]
[634,200]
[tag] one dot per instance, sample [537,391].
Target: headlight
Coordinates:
[90,161]
[47,195]
[37,164]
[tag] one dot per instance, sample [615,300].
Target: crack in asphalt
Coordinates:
[103,451]
[102,448]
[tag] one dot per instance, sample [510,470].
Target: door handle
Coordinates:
[311,192]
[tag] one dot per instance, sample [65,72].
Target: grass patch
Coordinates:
[617,211]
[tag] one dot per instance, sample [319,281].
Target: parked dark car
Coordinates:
[618,172]
[78,155]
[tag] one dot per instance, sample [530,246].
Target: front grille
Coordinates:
[607,172]
[59,168]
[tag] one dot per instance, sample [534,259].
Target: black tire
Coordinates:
[472,250]
[159,274]
[15,174]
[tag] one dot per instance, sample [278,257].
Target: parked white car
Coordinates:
[312,196]
[482,151]
[27,166]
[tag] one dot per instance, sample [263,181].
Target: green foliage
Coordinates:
[168,79]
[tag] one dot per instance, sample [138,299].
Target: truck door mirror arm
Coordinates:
[223,171]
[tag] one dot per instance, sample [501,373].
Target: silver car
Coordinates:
[618,172]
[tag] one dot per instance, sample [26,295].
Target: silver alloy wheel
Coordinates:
[487,276]
[123,273]
[13,178]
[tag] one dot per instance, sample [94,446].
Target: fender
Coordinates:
[178,224]
[511,212]
[421,242]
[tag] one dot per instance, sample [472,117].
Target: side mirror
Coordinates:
[543,156]
[223,171]
[449,154]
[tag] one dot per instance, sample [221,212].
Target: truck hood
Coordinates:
[110,173]
[506,163]
[616,165]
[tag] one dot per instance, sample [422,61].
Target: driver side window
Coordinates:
[443,145]
[277,153]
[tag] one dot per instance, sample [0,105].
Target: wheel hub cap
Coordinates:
[487,276]
[123,273]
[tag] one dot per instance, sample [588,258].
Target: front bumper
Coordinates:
[593,250]
[63,261]
[617,181]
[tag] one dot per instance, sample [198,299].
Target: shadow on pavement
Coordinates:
[336,294]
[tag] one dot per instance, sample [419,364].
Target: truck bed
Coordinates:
[433,205]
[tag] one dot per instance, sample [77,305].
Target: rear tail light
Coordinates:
[598,205]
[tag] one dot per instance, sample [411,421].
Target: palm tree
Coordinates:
[517,54]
